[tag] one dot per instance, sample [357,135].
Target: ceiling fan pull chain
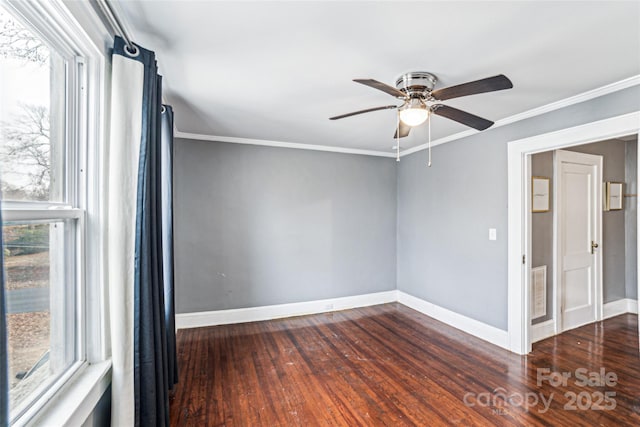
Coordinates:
[398,136]
[429,127]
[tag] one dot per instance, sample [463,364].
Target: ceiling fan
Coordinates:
[415,89]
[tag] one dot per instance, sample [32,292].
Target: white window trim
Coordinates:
[9,214]
[75,394]
[75,401]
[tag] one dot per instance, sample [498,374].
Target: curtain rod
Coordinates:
[114,22]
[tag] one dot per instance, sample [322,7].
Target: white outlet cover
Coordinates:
[493,234]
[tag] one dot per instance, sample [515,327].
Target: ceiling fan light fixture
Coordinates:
[420,100]
[414,112]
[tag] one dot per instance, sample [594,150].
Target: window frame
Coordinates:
[83,136]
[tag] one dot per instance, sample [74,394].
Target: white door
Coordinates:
[578,231]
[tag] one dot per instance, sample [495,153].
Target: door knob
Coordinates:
[594,246]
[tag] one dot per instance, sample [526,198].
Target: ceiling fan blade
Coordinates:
[489,84]
[460,116]
[368,110]
[383,87]
[404,130]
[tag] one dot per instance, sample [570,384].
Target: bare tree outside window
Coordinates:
[26,152]
[18,42]
[25,148]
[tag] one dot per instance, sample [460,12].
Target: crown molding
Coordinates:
[585,96]
[279,144]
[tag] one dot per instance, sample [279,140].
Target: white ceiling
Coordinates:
[278,70]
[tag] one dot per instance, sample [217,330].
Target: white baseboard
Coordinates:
[466,324]
[546,329]
[254,314]
[474,327]
[621,306]
[542,330]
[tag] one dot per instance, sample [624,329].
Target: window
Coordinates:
[45,147]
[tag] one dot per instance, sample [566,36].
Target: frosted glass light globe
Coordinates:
[414,112]
[414,116]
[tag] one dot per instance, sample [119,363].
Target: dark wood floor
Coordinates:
[390,365]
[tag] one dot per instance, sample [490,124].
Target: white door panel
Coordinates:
[576,205]
[577,290]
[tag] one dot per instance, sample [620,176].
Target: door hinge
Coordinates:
[524,258]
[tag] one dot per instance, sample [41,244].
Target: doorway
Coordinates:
[519,230]
[566,230]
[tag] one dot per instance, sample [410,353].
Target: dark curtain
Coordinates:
[4,351]
[154,332]
[166,164]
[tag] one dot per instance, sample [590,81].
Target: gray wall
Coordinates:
[615,230]
[444,212]
[631,219]
[542,229]
[258,225]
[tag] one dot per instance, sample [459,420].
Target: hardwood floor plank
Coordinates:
[373,377]
[440,380]
[390,365]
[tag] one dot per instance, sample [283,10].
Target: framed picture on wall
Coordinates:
[539,194]
[613,196]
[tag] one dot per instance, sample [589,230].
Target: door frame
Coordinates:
[557,232]
[519,227]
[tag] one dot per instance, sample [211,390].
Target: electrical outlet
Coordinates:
[493,234]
